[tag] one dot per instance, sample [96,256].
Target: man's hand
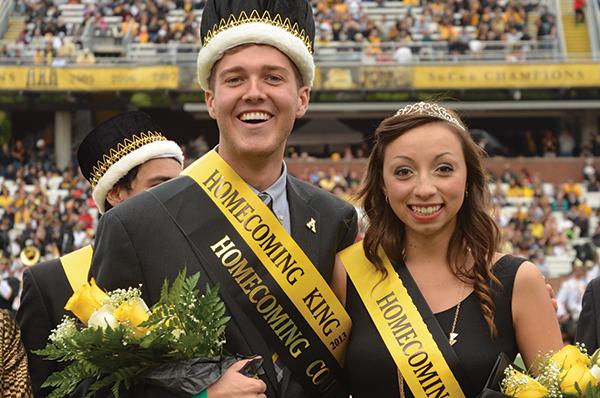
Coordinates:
[235,384]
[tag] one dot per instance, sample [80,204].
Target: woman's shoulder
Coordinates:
[508,268]
[503,259]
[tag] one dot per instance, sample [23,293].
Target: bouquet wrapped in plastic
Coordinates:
[118,341]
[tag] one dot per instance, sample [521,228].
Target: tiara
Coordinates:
[429,109]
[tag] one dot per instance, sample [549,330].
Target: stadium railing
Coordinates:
[350,54]
[594,28]
[5,9]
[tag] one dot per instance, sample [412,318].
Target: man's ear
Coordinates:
[115,196]
[303,99]
[209,99]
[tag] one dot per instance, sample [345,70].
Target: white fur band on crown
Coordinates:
[257,33]
[153,150]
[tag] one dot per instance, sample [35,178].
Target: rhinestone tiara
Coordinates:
[429,109]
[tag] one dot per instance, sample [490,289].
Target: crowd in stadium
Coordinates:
[463,25]
[58,34]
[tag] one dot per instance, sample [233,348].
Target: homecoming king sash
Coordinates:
[401,326]
[77,266]
[256,261]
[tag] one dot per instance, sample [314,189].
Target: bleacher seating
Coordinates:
[418,28]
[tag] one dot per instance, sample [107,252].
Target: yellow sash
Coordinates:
[401,326]
[272,244]
[77,266]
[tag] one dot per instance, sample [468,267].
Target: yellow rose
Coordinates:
[577,374]
[85,300]
[570,356]
[520,385]
[134,311]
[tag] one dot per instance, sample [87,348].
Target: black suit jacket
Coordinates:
[138,242]
[588,327]
[45,293]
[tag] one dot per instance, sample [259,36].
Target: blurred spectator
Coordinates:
[403,55]
[579,7]
[569,299]
[549,143]
[86,57]
[589,169]
[566,143]
[9,286]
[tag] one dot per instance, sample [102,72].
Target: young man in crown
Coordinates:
[273,259]
[150,160]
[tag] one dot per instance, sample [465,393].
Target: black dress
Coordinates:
[371,370]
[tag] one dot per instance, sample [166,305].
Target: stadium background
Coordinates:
[524,75]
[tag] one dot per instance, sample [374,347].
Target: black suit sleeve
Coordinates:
[587,327]
[36,324]
[115,263]
[351,222]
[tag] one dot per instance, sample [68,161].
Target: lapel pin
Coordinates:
[312,225]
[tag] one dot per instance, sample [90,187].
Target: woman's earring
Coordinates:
[466,193]
[387,200]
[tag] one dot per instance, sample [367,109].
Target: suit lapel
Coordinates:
[301,213]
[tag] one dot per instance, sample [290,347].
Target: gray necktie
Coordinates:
[267,199]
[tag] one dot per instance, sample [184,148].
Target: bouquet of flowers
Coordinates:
[569,373]
[120,341]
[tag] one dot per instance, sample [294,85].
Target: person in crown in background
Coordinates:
[47,286]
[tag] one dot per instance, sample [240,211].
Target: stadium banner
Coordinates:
[92,78]
[384,77]
[471,76]
[506,76]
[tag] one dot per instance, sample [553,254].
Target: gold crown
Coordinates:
[285,24]
[123,148]
[430,109]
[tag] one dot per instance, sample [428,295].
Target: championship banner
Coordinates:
[91,78]
[470,76]
[269,276]
[482,76]
[401,326]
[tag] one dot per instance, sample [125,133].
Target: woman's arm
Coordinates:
[534,318]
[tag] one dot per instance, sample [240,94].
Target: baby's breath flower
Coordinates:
[581,347]
[550,378]
[119,296]
[65,330]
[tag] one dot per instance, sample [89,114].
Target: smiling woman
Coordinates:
[432,301]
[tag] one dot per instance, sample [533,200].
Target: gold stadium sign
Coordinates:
[89,78]
[467,76]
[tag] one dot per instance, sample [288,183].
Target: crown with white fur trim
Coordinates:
[287,25]
[111,150]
